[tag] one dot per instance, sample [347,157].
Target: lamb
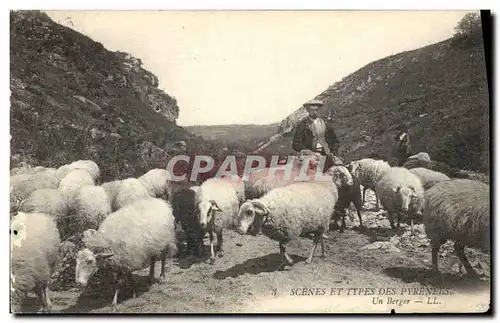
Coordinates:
[130,190]
[46,200]
[429,177]
[88,165]
[22,185]
[90,207]
[217,195]
[458,210]
[348,194]
[129,239]
[369,171]
[71,184]
[157,182]
[34,248]
[186,213]
[400,191]
[284,213]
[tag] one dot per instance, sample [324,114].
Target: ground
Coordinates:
[247,279]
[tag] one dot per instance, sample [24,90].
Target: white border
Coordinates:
[190,5]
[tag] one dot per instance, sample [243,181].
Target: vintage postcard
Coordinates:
[250,161]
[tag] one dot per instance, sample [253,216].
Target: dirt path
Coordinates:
[246,278]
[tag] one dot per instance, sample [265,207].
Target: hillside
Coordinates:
[247,135]
[440,91]
[73,99]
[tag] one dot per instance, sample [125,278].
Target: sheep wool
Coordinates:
[21,186]
[90,208]
[46,200]
[399,189]
[224,194]
[88,165]
[130,190]
[157,182]
[72,182]
[458,210]
[429,177]
[136,232]
[284,213]
[369,171]
[34,247]
[129,239]
[111,189]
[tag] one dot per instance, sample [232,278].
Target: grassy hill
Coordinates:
[244,136]
[440,91]
[73,99]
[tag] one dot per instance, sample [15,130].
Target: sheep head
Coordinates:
[341,176]
[207,212]
[405,195]
[252,211]
[87,263]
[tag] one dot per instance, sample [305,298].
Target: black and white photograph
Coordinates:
[250,161]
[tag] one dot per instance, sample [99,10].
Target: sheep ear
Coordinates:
[412,188]
[396,189]
[215,207]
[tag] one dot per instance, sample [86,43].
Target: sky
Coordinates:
[256,67]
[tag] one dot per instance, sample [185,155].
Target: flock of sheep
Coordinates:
[125,225]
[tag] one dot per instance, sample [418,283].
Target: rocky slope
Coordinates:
[440,91]
[73,99]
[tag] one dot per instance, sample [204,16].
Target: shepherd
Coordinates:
[317,135]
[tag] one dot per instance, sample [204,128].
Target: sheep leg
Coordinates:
[459,250]
[391,221]
[42,297]
[285,258]
[212,252]
[220,251]
[322,247]
[376,200]
[163,262]
[360,219]
[342,225]
[364,194]
[48,303]
[317,237]
[152,270]
[118,282]
[131,282]
[435,251]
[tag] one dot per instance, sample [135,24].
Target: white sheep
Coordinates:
[458,210]
[90,207]
[130,190]
[284,213]
[157,182]
[72,183]
[129,239]
[369,171]
[429,177]
[111,189]
[400,191]
[46,200]
[22,185]
[34,241]
[218,204]
[88,165]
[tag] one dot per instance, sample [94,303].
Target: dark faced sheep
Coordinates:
[458,210]
[186,214]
